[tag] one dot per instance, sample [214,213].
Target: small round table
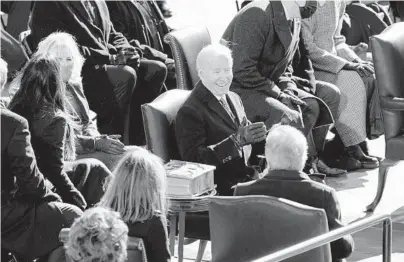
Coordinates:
[181,206]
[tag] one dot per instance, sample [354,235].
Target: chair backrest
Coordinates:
[185,45]
[136,249]
[158,118]
[388,57]
[249,227]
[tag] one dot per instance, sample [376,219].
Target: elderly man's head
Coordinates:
[286,148]
[3,73]
[214,64]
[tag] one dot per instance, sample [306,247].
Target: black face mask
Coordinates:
[309,9]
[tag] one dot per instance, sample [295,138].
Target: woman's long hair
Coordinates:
[42,93]
[61,41]
[138,189]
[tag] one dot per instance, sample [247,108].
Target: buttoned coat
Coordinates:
[202,129]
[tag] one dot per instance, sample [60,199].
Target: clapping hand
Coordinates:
[110,144]
[250,134]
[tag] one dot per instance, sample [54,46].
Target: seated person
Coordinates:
[286,153]
[138,193]
[360,22]
[98,235]
[31,214]
[335,62]
[112,67]
[263,75]
[41,99]
[143,25]
[212,128]
[89,142]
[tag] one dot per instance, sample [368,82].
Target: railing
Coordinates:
[336,234]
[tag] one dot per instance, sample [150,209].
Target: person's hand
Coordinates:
[363,68]
[120,58]
[291,117]
[360,48]
[290,99]
[110,144]
[132,56]
[250,134]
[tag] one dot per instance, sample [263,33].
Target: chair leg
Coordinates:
[201,250]
[383,170]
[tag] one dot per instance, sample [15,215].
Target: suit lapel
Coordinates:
[213,104]
[281,24]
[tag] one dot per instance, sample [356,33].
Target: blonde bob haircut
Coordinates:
[98,235]
[138,189]
[61,41]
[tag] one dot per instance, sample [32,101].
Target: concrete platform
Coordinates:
[355,191]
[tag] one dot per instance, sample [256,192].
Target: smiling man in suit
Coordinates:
[212,128]
[112,68]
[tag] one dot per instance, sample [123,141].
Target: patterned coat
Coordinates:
[329,53]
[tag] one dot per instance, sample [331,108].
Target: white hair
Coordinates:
[60,41]
[208,52]
[98,235]
[286,148]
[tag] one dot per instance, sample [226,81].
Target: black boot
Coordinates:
[366,161]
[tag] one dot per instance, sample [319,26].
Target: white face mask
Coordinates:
[217,75]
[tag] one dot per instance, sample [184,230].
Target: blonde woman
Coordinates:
[91,144]
[98,235]
[138,193]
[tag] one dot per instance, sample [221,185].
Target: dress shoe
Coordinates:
[319,166]
[366,161]
[365,148]
[345,162]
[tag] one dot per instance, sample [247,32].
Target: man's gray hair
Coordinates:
[205,55]
[286,148]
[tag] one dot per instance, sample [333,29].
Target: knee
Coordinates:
[129,75]
[99,167]
[157,70]
[312,107]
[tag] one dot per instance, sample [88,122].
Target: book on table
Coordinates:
[188,179]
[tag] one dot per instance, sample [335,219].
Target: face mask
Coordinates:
[309,9]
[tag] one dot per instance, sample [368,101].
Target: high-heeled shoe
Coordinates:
[367,162]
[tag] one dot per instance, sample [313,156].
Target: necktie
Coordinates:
[225,105]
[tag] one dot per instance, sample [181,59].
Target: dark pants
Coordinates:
[152,74]
[108,90]
[30,230]
[90,177]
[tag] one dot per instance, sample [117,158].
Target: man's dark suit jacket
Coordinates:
[202,129]
[21,199]
[298,187]
[128,18]
[97,43]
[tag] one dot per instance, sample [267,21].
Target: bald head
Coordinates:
[214,64]
[285,148]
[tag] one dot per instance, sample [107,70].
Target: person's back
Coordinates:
[286,153]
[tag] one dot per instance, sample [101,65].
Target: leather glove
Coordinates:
[109,144]
[74,197]
[250,134]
